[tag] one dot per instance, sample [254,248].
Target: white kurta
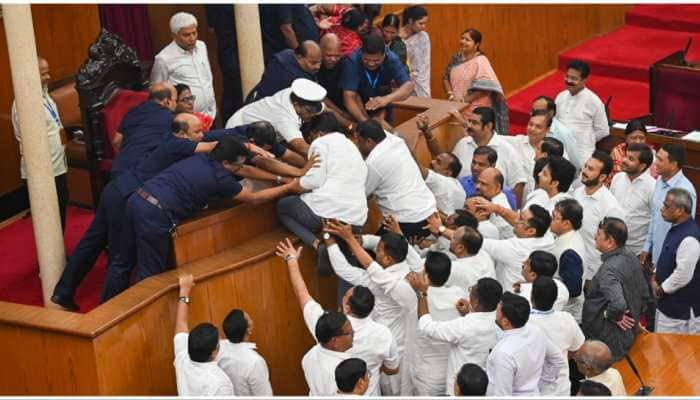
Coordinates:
[584,114]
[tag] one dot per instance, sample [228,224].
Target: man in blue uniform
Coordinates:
[368,77]
[178,193]
[106,226]
[143,127]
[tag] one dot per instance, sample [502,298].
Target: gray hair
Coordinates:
[182,20]
[681,199]
[596,355]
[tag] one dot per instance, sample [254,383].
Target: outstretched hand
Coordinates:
[286,250]
[423,123]
[313,162]
[391,224]
[186,282]
[339,229]
[418,281]
[434,223]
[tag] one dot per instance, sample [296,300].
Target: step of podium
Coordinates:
[220,227]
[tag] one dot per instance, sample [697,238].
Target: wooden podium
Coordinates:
[674,93]
[666,362]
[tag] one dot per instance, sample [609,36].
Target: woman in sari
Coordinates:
[469,78]
[635,132]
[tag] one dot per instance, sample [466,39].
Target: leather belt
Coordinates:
[147,196]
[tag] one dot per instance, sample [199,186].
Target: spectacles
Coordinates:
[667,206]
[187,99]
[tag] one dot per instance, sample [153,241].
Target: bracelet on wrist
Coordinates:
[290,257]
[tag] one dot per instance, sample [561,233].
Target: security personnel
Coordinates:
[106,227]
[286,110]
[178,193]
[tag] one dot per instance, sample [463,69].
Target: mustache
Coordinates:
[569,83]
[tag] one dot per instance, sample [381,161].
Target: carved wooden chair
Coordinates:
[110,82]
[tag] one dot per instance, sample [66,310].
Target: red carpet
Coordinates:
[620,61]
[19,275]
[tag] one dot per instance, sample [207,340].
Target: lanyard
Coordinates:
[54,114]
[373,82]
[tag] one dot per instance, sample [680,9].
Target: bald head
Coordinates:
[164,94]
[490,182]
[331,50]
[188,126]
[596,356]
[309,56]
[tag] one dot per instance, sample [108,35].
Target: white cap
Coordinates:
[308,90]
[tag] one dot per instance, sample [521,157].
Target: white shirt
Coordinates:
[395,303]
[521,145]
[686,259]
[245,368]
[198,378]
[584,114]
[613,380]
[431,371]
[508,161]
[562,294]
[395,180]
[449,193]
[542,199]
[176,65]
[561,328]
[467,271]
[372,342]
[471,338]
[488,230]
[337,185]
[505,230]
[635,199]
[319,363]
[596,207]
[53,130]
[523,362]
[510,254]
[277,110]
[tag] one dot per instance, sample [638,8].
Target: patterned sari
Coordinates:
[477,74]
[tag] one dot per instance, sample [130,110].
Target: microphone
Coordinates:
[671,116]
[607,111]
[644,390]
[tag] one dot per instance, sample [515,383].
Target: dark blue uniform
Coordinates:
[143,127]
[106,227]
[272,16]
[355,77]
[282,69]
[180,191]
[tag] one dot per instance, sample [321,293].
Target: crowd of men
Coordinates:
[511,265]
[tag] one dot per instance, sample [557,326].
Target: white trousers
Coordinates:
[666,324]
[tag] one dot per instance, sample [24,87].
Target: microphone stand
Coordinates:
[644,390]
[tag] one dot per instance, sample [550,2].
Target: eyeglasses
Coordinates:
[187,99]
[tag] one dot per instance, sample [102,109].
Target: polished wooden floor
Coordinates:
[668,363]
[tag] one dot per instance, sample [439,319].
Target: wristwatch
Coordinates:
[422,295]
[442,229]
[185,299]
[326,236]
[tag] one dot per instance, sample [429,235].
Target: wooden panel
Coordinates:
[63,33]
[39,362]
[521,40]
[669,363]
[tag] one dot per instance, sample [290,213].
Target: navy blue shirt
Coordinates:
[355,77]
[143,128]
[330,80]
[272,16]
[244,134]
[282,69]
[185,187]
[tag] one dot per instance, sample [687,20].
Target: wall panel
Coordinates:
[63,34]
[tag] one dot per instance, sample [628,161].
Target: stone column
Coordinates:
[250,49]
[35,145]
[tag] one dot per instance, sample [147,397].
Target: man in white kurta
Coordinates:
[470,336]
[634,190]
[582,110]
[185,60]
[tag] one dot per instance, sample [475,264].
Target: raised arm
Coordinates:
[186,284]
[286,251]
[423,124]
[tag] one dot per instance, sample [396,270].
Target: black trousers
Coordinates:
[62,192]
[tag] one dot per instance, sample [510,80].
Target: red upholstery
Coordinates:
[112,115]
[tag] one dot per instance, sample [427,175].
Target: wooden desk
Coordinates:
[668,363]
[673,93]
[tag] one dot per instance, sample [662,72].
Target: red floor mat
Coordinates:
[685,17]
[19,275]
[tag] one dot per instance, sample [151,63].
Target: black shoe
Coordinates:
[68,304]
